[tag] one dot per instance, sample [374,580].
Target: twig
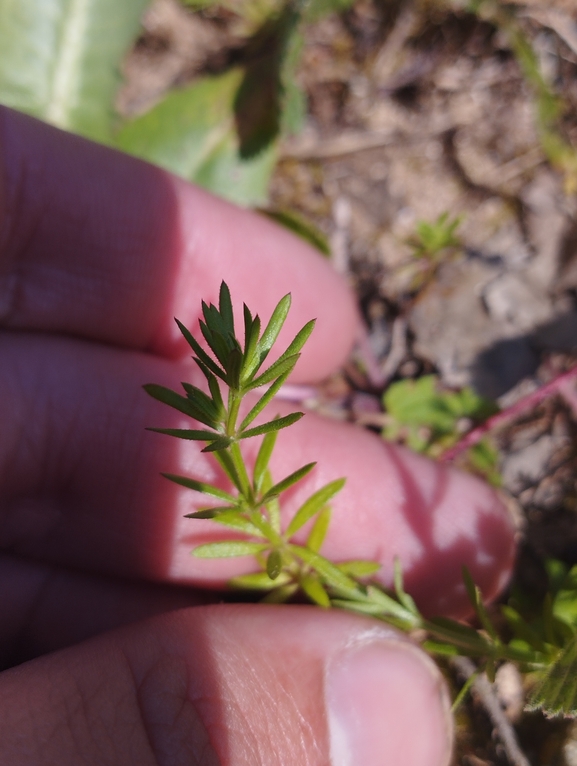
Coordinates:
[510,413]
[488,698]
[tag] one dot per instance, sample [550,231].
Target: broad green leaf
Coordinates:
[313,505]
[60,59]
[556,692]
[192,133]
[228,549]
[319,531]
[200,486]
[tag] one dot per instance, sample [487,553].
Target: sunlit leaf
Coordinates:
[319,531]
[192,132]
[359,568]
[60,59]
[228,549]
[315,591]
[313,505]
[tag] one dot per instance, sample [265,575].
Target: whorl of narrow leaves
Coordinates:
[288,556]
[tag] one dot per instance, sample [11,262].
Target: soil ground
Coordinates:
[416,110]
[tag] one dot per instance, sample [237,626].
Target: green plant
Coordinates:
[433,238]
[546,647]
[429,420]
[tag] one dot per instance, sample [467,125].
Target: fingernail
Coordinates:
[387,704]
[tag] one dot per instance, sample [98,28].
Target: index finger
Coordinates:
[97,244]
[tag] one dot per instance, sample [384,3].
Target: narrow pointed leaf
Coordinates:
[272,425]
[274,564]
[359,568]
[299,340]
[228,549]
[313,505]
[319,531]
[280,367]
[202,401]
[406,600]
[200,486]
[281,595]
[233,367]
[188,433]
[170,397]
[315,591]
[229,468]
[274,326]
[235,520]
[209,513]
[265,399]
[258,581]
[251,338]
[200,352]
[263,458]
[217,445]
[225,307]
[283,485]
[216,343]
[326,569]
[216,395]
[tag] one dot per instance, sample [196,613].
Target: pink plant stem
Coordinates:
[558,385]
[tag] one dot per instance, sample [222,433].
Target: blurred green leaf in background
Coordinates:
[60,59]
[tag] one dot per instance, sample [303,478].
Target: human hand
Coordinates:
[98,253]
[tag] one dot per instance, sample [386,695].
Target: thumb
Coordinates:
[230,685]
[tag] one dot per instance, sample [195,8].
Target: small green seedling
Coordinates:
[287,554]
[433,239]
[430,420]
